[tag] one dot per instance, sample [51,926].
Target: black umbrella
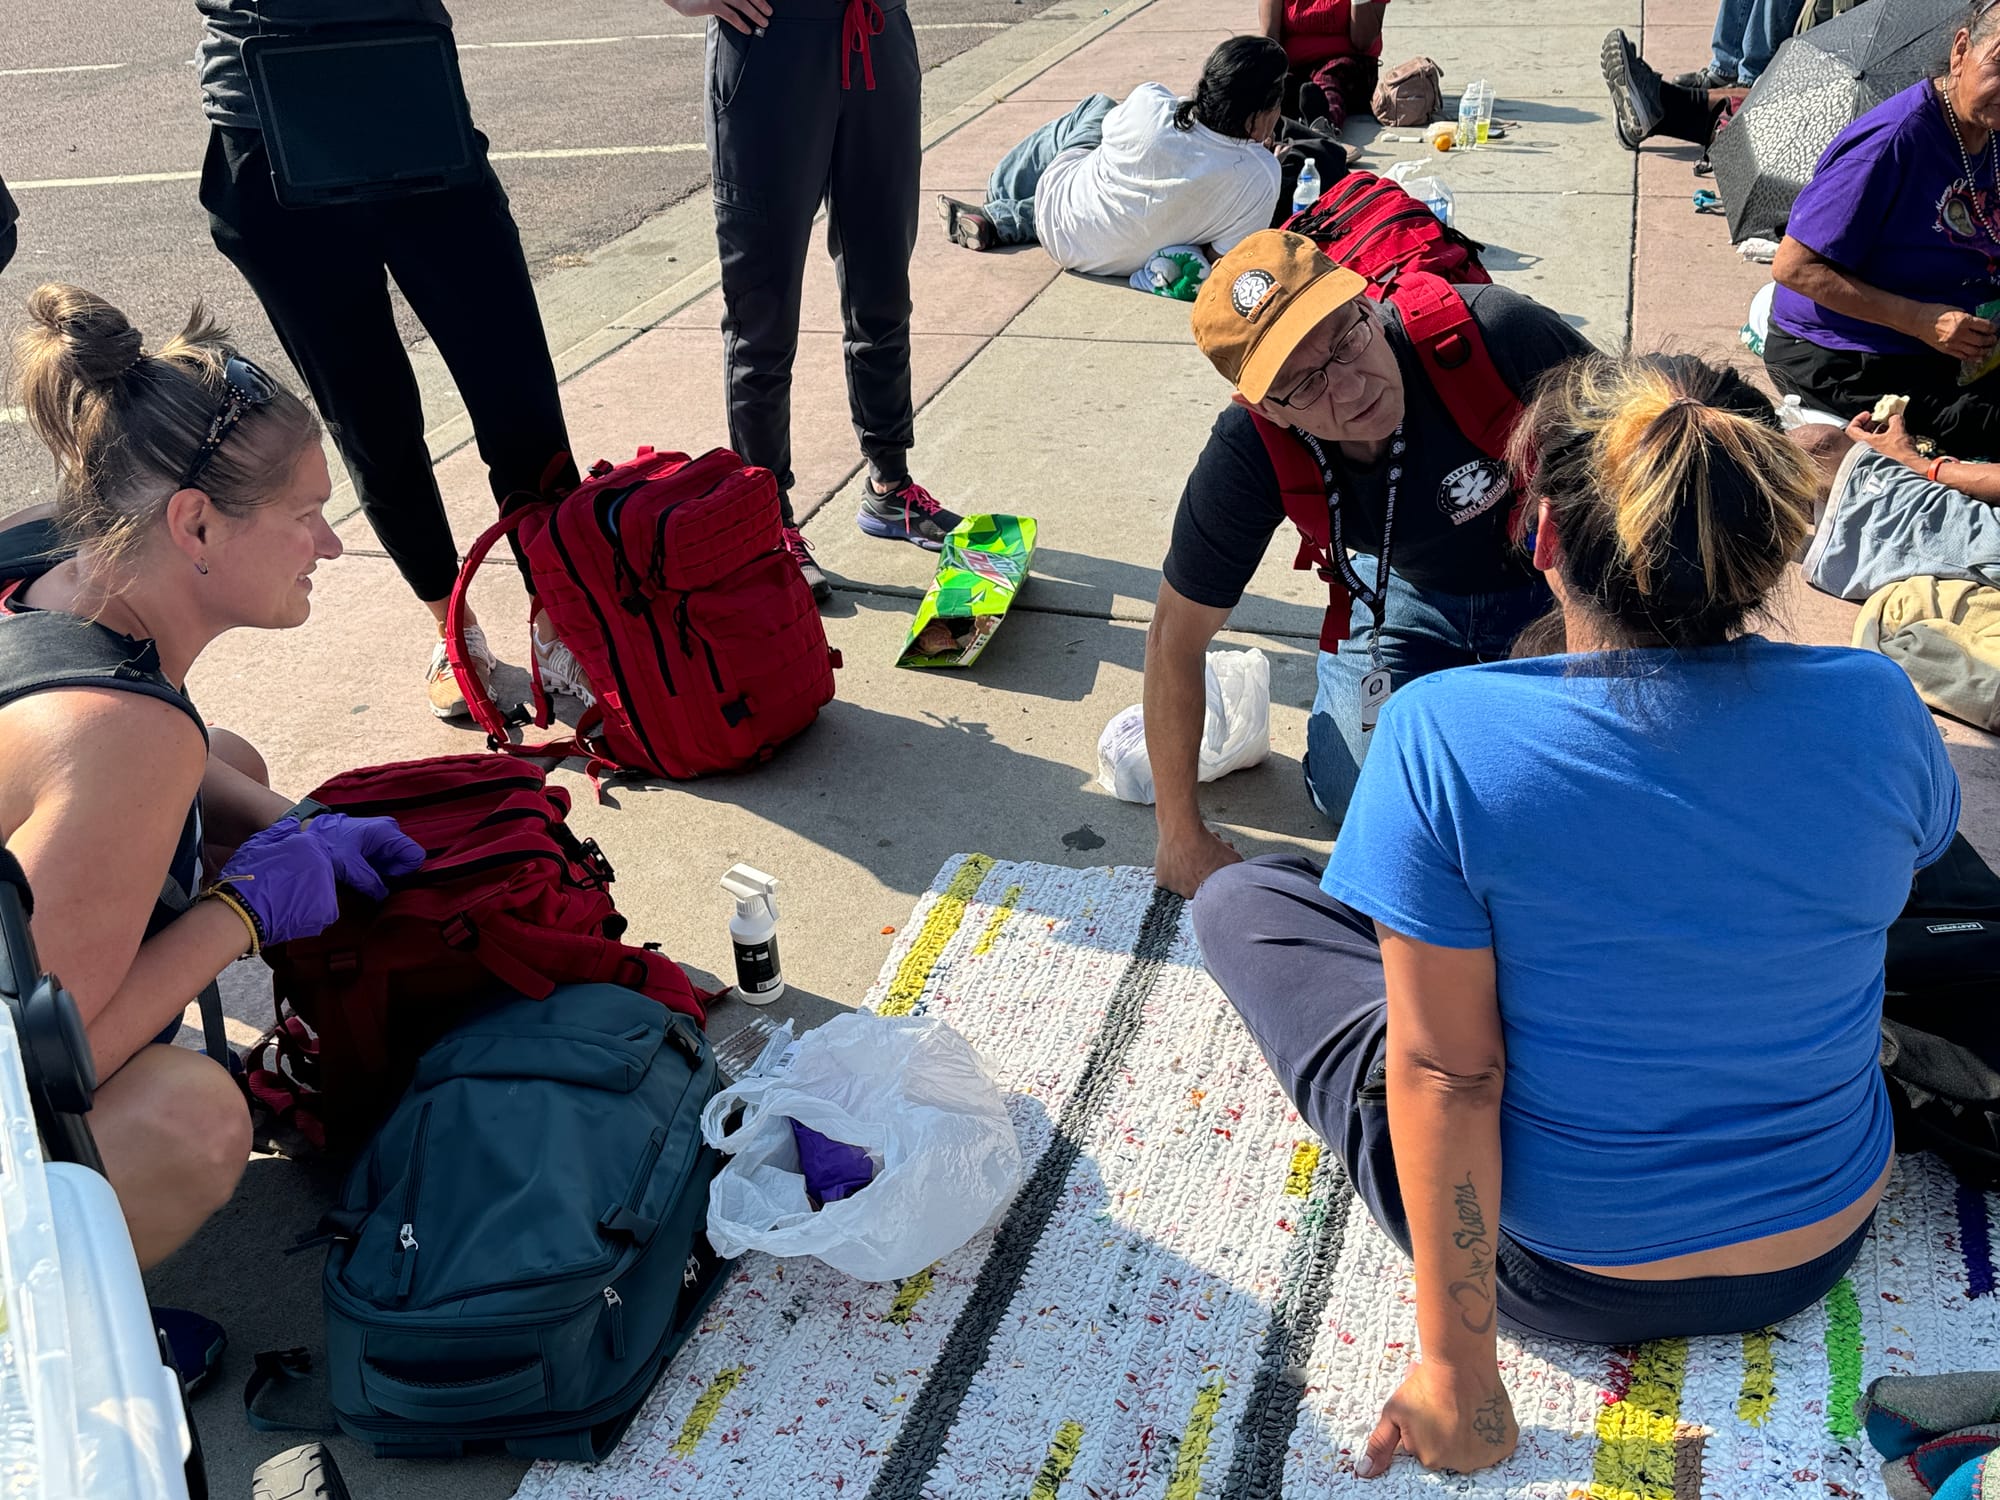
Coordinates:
[1818,82]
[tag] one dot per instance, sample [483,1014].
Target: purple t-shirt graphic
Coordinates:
[1891,203]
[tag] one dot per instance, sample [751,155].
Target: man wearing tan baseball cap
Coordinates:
[1393,478]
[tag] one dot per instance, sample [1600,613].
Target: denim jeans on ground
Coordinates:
[1010,193]
[1424,632]
[1747,34]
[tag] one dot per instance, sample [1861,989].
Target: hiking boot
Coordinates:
[1635,90]
[1702,80]
[966,225]
[561,673]
[447,702]
[906,514]
[795,543]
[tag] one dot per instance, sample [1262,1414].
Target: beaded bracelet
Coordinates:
[236,904]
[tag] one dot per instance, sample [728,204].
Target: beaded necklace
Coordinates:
[1965,158]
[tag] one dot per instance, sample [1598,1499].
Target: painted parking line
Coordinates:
[76,68]
[562,153]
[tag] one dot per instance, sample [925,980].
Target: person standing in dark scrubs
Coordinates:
[810,102]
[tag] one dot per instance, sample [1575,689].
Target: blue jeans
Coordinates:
[1010,193]
[1747,34]
[1423,632]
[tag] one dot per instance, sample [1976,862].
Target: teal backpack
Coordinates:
[522,1247]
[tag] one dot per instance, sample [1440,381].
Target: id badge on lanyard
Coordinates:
[1376,683]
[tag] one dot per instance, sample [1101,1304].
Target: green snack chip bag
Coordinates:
[1970,370]
[984,563]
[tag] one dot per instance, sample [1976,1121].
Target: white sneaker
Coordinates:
[447,702]
[561,672]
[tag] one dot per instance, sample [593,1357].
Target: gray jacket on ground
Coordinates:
[1884,524]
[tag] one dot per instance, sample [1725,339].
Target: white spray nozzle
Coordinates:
[751,887]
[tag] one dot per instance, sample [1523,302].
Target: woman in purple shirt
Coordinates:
[1892,249]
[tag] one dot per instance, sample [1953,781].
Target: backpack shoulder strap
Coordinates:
[1447,340]
[1304,493]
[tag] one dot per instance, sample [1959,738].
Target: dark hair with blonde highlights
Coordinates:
[124,424]
[1675,496]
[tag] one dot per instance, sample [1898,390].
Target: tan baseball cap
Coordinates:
[1261,301]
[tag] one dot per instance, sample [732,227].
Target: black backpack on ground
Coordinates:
[1941,1016]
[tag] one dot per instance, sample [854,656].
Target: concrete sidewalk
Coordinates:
[1073,400]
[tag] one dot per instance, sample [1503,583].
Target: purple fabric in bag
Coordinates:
[833,1170]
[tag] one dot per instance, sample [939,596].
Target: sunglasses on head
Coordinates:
[245,388]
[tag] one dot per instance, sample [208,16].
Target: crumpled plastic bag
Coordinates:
[1236,730]
[910,1092]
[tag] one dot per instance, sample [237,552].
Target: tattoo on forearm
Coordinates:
[1490,1421]
[1474,1291]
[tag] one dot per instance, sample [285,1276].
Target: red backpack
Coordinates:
[1412,261]
[668,579]
[508,901]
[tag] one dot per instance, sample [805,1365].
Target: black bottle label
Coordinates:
[757,966]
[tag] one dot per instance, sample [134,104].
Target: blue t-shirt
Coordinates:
[1686,878]
[1892,202]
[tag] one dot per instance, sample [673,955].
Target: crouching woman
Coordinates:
[1588,999]
[190,497]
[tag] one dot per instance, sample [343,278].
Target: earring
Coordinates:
[201,566]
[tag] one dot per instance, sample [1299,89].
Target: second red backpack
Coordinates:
[668,579]
[1370,225]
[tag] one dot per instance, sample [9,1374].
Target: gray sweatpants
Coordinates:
[785,135]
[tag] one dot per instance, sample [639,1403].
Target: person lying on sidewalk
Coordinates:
[1334,371]
[1893,247]
[1580,1119]
[1105,186]
[1333,55]
[1644,105]
[1888,512]
[190,501]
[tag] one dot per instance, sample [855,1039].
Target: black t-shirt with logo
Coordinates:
[1451,505]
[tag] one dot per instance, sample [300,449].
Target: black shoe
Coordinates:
[908,513]
[1313,103]
[1704,79]
[966,225]
[1635,90]
[795,543]
[194,1344]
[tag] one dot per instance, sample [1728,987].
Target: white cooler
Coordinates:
[87,1409]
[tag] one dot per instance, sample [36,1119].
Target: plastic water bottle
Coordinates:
[1468,117]
[1306,194]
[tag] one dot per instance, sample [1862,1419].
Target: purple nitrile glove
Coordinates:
[286,879]
[364,850]
[832,1169]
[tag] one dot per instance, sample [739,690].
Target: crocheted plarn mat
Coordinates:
[1185,1300]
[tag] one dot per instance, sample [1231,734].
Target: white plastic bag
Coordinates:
[910,1092]
[1236,730]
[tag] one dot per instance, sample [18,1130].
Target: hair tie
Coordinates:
[130,365]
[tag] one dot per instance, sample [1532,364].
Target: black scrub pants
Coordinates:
[322,275]
[786,133]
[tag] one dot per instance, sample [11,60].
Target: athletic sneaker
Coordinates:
[795,543]
[966,225]
[907,514]
[1635,90]
[1702,80]
[447,702]
[562,674]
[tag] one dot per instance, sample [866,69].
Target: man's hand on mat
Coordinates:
[1952,330]
[745,15]
[1184,861]
[1892,439]
[1445,1419]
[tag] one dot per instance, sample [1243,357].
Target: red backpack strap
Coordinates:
[1442,331]
[1303,490]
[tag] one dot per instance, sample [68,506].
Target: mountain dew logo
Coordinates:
[985,561]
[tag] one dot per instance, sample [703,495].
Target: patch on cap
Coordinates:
[1248,291]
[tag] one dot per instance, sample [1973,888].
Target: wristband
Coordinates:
[229,899]
[1937,464]
[304,810]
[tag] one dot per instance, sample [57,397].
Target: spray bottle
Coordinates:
[754,933]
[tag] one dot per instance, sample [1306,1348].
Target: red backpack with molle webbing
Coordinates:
[668,579]
[507,902]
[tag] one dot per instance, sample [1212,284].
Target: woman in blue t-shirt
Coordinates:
[1892,250]
[1627,903]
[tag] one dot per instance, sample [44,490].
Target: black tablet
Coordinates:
[358,113]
